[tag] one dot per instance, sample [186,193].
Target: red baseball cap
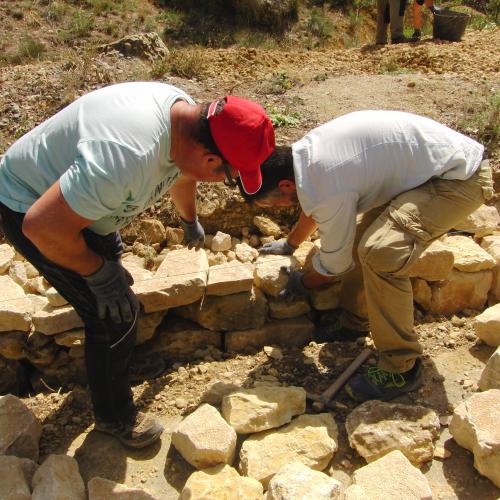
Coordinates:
[244,135]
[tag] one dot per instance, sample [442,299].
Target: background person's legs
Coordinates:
[382,21]
[108,346]
[397,11]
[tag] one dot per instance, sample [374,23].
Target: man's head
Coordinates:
[244,135]
[224,138]
[278,181]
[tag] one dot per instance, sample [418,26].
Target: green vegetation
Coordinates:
[27,49]
[484,123]
[283,117]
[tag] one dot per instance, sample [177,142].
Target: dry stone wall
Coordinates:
[225,296]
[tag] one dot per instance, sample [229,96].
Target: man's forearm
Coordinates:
[183,196]
[302,230]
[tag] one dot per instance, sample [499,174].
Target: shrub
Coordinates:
[187,63]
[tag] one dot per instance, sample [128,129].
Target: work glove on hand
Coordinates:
[194,234]
[111,286]
[277,248]
[295,287]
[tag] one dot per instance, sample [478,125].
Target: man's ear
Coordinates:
[287,186]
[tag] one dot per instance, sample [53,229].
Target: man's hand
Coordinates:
[194,234]
[277,248]
[295,287]
[110,285]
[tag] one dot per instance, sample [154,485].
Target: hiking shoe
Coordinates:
[145,430]
[381,384]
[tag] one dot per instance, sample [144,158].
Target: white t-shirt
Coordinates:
[363,160]
[110,149]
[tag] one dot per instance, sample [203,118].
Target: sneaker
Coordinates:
[435,10]
[381,384]
[145,430]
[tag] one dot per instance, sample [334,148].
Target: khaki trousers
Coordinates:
[389,239]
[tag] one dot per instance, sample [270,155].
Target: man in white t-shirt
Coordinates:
[67,186]
[412,179]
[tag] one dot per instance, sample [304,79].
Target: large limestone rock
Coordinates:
[54,297]
[391,477]
[7,255]
[492,245]
[144,45]
[71,338]
[16,475]
[422,293]
[468,255]
[239,311]
[474,426]
[462,290]
[221,482]
[490,378]
[15,307]
[13,345]
[282,309]
[308,439]
[204,438]
[266,226]
[20,431]
[232,277]
[51,320]
[269,276]
[179,339]
[58,478]
[181,279]
[262,408]
[147,324]
[487,325]
[286,332]
[434,264]
[376,428]
[483,221]
[103,489]
[245,253]
[221,242]
[326,298]
[150,231]
[296,481]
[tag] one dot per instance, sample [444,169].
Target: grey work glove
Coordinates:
[295,287]
[111,286]
[277,248]
[194,234]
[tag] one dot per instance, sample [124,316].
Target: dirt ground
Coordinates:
[450,82]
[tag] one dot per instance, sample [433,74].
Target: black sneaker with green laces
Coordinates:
[380,384]
[142,431]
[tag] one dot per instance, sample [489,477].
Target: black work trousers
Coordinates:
[108,346]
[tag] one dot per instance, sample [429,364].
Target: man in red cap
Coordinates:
[70,184]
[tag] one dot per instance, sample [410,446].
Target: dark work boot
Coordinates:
[401,39]
[380,384]
[138,433]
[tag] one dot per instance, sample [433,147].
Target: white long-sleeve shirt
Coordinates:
[363,160]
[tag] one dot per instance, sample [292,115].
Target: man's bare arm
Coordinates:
[183,195]
[302,230]
[55,229]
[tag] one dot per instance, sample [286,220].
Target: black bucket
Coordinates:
[450,25]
